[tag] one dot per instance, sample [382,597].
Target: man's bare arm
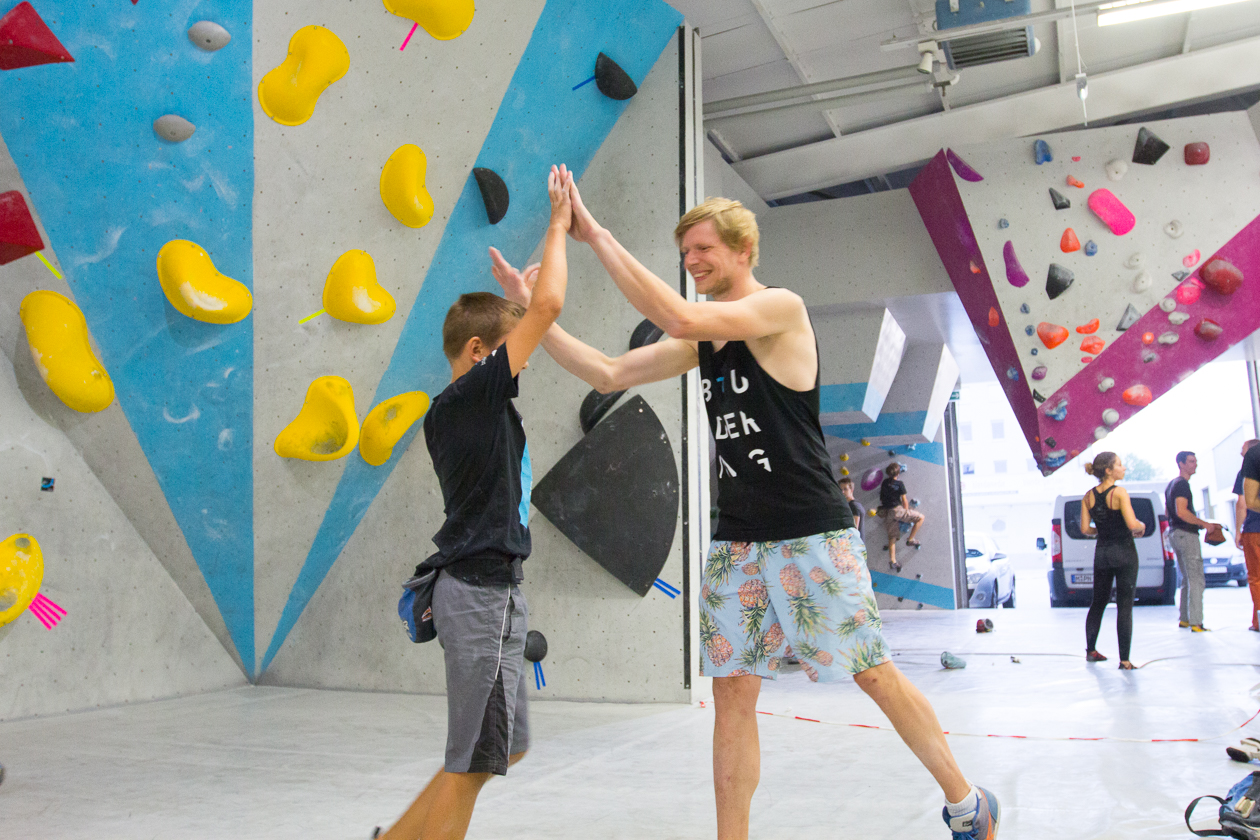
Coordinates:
[1184,514]
[1240,513]
[651,363]
[1251,493]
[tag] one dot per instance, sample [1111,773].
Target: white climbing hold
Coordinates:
[1100,432]
[1106,384]
[208,35]
[1134,260]
[173,128]
[1110,416]
[1168,304]
[1168,338]
[1174,229]
[1143,281]
[1178,318]
[1116,169]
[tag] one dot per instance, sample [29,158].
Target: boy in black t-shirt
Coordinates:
[477,444]
[894,509]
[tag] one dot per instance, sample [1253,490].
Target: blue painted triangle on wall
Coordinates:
[541,121]
[110,194]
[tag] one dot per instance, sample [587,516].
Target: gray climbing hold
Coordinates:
[1129,318]
[1058,279]
[1060,202]
[948,660]
[208,35]
[173,128]
[1180,275]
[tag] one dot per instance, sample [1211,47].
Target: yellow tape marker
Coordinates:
[51,267]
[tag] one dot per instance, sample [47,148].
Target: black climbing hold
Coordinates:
[1129,318]
[535,646]
[1060,202]
[644,334]
[594,407]
[1050,442]
[612,81]
[1058,279]
[1037,396]
[493,192]
[1148,149]
[627,457]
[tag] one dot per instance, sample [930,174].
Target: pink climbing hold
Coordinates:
[1015,273]
[1076,158]
[1191,259]
[1138,395]
[1197,154]
[1222,276]
[1051,335]
[964,169]
[1092,344]
[1187,293]
[1207,329]
[1113,213]
[872,478]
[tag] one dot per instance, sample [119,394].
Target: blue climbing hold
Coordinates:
[1041,152]
[1012,373]
[1034,351]
[1029,330]
[1056,459]
[1058,412]
[1023,307]
[1091,248]
[1003,224]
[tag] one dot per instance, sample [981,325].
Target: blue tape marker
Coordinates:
[581,84]
[666,588]
[539,680]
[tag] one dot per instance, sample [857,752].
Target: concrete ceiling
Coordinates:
[756,46]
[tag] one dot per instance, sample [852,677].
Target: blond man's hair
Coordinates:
[736,225]
[478,315]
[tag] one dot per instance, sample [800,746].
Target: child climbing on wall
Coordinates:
[477,443]
[894,509]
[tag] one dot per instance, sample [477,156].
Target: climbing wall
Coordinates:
[1100,267]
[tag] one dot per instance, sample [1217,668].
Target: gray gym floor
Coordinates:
[293,763]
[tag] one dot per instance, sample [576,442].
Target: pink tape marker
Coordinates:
[1114,214]
[47,611]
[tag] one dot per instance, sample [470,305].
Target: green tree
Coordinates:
[1138,468]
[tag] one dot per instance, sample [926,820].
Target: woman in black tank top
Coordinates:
[1107,512]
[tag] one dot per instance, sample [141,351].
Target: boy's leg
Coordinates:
[916,520]
[736,752]
[915,721]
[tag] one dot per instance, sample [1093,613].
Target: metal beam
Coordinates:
[1157,84]
[880,77]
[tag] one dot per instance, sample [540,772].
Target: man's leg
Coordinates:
[449,798]
[1251,551]
[1181,552]
[736,752]
[915,721]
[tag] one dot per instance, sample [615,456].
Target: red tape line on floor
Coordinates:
[705,704]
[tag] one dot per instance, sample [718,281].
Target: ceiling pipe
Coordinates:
[836,99]
[1019,22]
[895,76]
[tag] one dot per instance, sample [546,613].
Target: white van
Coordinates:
[1071,572]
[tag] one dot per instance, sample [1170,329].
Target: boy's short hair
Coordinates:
[478,315]
[736,225]
[846,481]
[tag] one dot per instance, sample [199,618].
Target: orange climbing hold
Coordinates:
[994,317]
[1069,243]
[1092,344]
[1138,395]
[1051,335]
[1148,338]
[1073,182]
[975,269]
[1086,329]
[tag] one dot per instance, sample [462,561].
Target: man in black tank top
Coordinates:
[786,574]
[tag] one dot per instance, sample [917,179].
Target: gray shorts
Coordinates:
[482,632]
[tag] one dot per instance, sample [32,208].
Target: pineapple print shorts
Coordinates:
[807,598]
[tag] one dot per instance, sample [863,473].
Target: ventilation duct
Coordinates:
[991,47]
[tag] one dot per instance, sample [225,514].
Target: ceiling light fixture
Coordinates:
[1127,11]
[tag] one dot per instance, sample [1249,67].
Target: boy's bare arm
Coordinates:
[547,298]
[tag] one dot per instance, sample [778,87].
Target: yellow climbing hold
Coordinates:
[388,422]
[58,335]
[21,573]
[316,59]
[196,288]
[443,19]
[402,187]
[351,292]
[326,428]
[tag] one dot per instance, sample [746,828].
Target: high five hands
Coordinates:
[559,190]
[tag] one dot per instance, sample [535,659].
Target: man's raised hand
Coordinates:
[518,286]
[559,183]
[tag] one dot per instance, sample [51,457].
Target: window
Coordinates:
[964,431]
[998,431]
[1032,465]
[969,469]
[999,466]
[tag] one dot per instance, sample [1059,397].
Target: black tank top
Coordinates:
[774,475]
[1110,523]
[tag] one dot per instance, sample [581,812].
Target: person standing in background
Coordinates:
[1107,512]
[1247,525]
[846,487]
[1184,537]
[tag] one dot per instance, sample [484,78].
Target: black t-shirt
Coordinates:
[477,444]
[774,474]
[1250,469]
[858,513]
[890,492]
[1179,488]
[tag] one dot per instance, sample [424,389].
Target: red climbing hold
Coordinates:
[1086,329]
[18,236]
[1138,395]
[994,317]
[25,40]
[1208,329]
[1148,338]
[975,269]
[1197,154]
[1051,335]
[1069,243]
[1092,344]
[1087,359]
[1222,276]
[1187,293]
[1074,182]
